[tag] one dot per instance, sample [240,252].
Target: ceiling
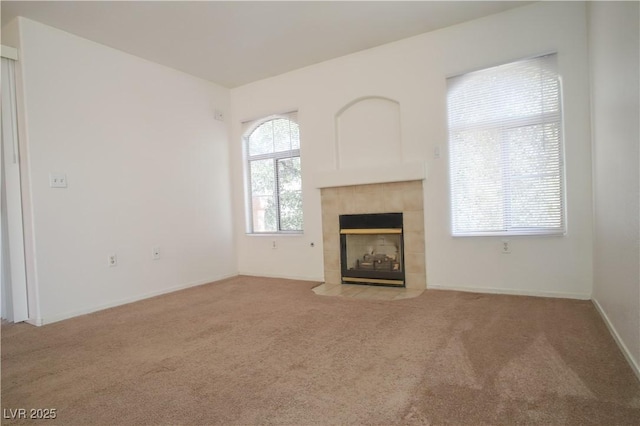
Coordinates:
[236,42]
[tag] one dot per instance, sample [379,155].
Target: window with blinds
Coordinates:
[505,150]
[274,180]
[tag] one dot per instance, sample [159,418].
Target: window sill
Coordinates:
[274,234]
[511,234]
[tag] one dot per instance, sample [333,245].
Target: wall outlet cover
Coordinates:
[57,180]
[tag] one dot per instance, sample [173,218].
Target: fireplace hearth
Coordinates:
[371,249]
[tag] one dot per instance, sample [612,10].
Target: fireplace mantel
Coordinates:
[364,176]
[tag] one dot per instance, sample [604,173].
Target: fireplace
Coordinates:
[405,197]
[372,249]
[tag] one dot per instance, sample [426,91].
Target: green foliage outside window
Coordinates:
[275,177]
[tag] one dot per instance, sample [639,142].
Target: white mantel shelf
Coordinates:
[365,176]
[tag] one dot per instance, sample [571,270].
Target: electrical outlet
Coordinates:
[112,260]
[218,115]
[155,251]
[57,180]
[274,245]
[506,247]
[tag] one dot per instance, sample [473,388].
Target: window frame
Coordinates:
[250,128]
[502,126]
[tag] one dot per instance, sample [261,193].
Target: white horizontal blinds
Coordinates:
[505,142]
[276,133]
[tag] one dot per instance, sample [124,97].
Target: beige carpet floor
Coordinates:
[268,351]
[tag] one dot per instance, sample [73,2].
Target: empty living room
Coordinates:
[320,212]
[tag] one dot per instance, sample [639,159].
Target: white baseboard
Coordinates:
[84,311]
[625,351]
[34,321]
[284,277]
[514,292]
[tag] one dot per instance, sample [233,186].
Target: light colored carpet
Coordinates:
[268,351]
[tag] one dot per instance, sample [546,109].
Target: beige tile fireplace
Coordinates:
[396,197]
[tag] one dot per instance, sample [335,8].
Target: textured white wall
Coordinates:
[146,165]
[413,72]
[614,36]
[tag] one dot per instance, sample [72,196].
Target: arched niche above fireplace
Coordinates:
[368,133]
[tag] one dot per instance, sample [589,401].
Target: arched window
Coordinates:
[274,181]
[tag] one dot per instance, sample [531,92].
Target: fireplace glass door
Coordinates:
[371,254]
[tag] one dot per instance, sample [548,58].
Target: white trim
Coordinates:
[18,308]
[9,52]
[71,314]
[37,322]
[275,234]
[319,280]
[363,176]
[625,351]
[513,292]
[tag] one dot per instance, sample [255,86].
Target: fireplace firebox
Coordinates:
[372,249]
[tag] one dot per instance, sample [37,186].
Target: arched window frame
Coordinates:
[253,222]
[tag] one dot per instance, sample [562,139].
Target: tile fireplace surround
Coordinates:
[405,197]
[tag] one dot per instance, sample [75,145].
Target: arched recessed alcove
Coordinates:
[368,133]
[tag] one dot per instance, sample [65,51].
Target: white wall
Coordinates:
[146,165]
[614,42]
[413,72]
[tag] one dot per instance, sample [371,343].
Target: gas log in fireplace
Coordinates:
[371,249]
